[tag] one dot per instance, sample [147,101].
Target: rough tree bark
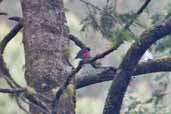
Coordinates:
[45,44]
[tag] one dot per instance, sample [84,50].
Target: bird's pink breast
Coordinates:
[87,54]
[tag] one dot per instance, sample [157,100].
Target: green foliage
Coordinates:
[150,102]
[121,35]
[103,20]
[163,45]
[159,17]
[107,23]
[127,17]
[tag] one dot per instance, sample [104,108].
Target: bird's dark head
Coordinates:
[84,53]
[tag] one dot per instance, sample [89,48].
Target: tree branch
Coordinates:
[159,65]
[102,55]
[77,41]
[38,102]
[125,71]
[90,4]
[3,69]
[21,106]
[143,7]
[74,71]
[12,91]
[62,89]
[31,103]
[9,36]
[81,45]
[3,44]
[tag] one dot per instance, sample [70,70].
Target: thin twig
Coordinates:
[3,13]
[102,55]
[10,36]
[12,91]
[37,101]
[35,105]
[62,89]
[90,4]
[77,41]
[3,44]
[139,12]
[16,19]
[21,107]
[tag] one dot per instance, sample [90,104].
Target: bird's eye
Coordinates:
[88,49]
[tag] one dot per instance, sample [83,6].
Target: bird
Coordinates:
[85,54]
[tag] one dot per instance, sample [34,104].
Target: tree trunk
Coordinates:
[45,44]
